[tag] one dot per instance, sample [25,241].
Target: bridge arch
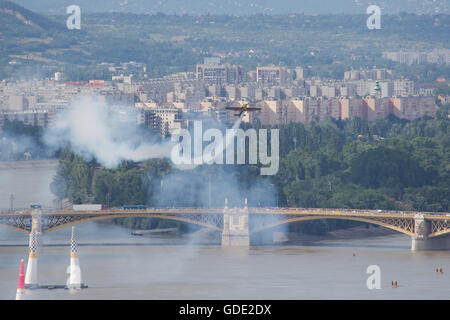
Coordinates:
[439,233]
[116,216]
[359,219]
[14,228]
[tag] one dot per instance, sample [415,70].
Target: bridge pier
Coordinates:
[421,241]
[31,276]
[235,227]
[36,221]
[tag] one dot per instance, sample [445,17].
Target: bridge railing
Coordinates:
[252,210]
[340,211]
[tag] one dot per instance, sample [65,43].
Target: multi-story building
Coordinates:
[347,90]
[293,92]
[414,107]
[35,117]
[315,91]
[370,108]
[247,92]
[334,108]
[350,108]
[162,119]
[272,76]
[294,111]
[260,94]
[369,74]
[232,92]
[215,91]
[17,103]
[219,73]
[374,108]
[300,73]
[403,88]
[272,93]
[271,112]
[366,87]
[308,109]
[162,102]
[328,91]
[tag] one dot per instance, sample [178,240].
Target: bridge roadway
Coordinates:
[427,229]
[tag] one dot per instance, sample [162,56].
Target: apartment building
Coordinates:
[271,112]
[350,108]
[36,117]
[369,74]
[219,73]
[294,110]
[162,119]
[414,107]
[403,88]
[374,108]
[272,76]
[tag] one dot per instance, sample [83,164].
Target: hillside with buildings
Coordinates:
[242,7]
[35,44]
[296,68]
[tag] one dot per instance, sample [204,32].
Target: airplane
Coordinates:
[242,109]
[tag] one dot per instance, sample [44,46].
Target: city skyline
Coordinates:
[167,104]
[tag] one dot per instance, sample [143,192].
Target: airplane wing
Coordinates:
[251,109]
[234,108]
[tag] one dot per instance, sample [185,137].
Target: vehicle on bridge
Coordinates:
[89,207]
[134,207]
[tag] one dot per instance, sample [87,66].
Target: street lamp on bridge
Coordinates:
[11,198]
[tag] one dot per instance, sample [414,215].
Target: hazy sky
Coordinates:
[239,7]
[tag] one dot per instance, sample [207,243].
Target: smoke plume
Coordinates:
[108,134]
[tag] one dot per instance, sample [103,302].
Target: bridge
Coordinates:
[427,230]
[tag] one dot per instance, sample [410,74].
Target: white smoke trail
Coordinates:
[196,161]
[97,131]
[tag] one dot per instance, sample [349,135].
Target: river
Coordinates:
[28,181]
[118,265]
